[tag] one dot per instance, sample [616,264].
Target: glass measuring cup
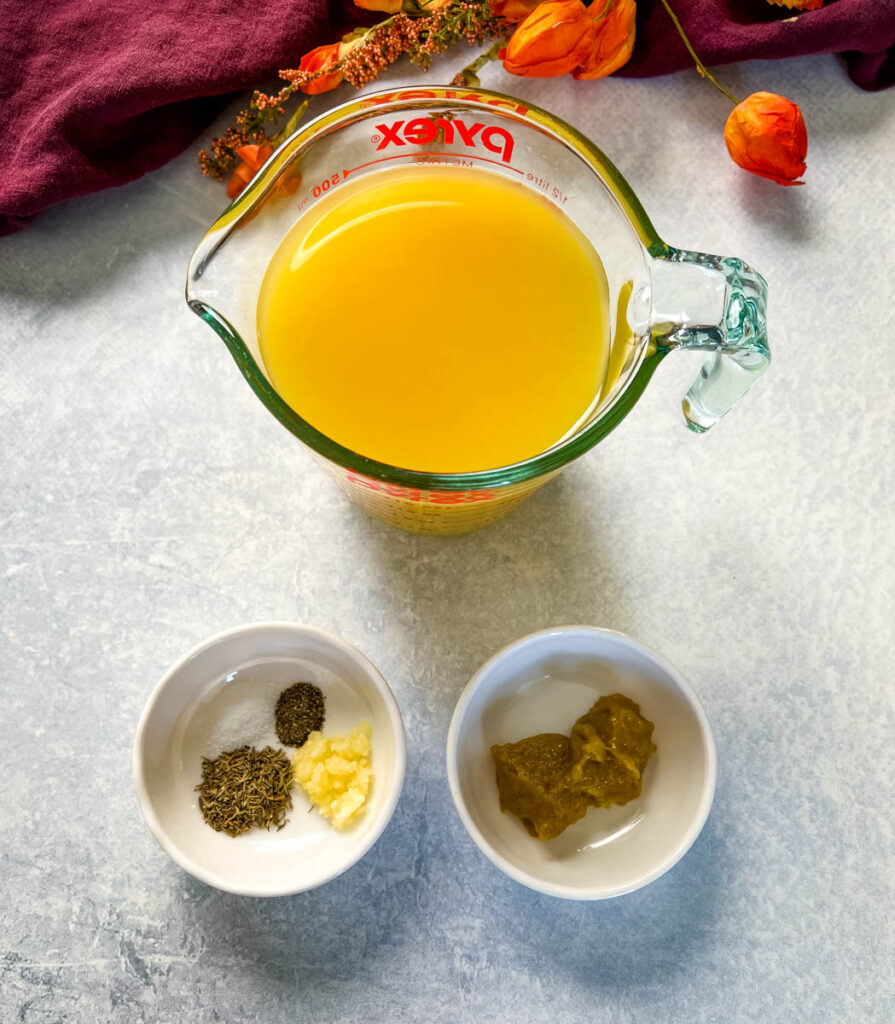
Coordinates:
[661,298]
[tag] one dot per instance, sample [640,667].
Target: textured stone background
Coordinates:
[148,501]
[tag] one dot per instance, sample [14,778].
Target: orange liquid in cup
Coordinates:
[436,318]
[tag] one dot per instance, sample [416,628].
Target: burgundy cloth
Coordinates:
[94,93]
[724,31]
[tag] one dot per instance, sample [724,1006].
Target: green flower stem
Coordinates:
[700,67]
[469,74]
[290,125]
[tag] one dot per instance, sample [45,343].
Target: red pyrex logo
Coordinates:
[422,131]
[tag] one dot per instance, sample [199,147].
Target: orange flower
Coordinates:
[799,5]
[766,134]
[614,42]
[252,157]
[513,10]
[553,40]
[386,6]
[319,60]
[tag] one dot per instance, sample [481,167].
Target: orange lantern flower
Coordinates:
[614,42]
[799,5]
[513,10]
[766,134]
[320,59]
[386,6]
[252,157]
[553,40]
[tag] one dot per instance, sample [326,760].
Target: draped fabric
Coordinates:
[94,93]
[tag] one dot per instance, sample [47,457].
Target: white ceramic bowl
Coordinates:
[542,683]
[221,695]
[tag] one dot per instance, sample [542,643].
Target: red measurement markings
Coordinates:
[455,156]
[415,494]
[339,176]
[327,183]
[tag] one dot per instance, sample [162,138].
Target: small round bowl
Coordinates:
[222,695]
[543,683]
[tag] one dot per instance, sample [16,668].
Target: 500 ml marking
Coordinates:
[323,186]
[327,183]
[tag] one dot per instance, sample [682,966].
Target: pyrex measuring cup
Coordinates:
[661,298]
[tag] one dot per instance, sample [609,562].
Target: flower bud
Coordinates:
[251,159]
[319,60]
[614,41]
[386,6]
[766,134]
[513,10]
[551,41]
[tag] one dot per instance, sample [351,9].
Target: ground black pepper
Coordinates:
[300,711]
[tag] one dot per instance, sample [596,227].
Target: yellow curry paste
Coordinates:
[548,781]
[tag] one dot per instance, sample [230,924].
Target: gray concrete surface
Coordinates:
[148,500]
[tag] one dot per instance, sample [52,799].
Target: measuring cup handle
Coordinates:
[715,303]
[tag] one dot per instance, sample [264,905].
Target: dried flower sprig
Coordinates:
[421,32]
[250,127]
[765,134]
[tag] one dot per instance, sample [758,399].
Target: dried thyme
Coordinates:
[244,789]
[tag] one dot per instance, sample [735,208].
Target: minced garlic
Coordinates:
[336,774]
